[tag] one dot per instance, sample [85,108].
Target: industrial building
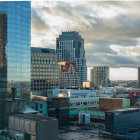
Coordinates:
[39,106]
[62,114]
[74,93]
[100,75]
[70,47]
[114,103]
[45,71]
[69,77]
[59,108]
[84,102]
[33,127]
[122,120]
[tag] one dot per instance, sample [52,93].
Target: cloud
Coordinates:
[111,60]
[37,22]
[110,29]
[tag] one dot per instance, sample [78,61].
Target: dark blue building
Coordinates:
[15,26]
[122,121]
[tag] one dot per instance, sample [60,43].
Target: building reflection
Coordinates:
[3,64]
[3,57]
[15,39]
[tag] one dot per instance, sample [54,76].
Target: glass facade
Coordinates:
[16,49]
[100,75]
[15,26]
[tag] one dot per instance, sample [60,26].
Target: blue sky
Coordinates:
[111,31]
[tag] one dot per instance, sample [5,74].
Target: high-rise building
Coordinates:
[69,77]
[15,20]
[70,47]
[100,75]
[138,77]
[45,71]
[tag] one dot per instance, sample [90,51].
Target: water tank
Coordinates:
[19,136]
[86,119]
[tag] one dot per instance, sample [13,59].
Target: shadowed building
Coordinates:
[3,65]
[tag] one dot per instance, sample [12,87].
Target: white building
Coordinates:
[69,77]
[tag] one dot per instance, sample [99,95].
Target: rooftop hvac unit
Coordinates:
[19,136]
[84,118]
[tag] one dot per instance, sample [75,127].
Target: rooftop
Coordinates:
[42,50]
[125,110]
[28,110]
[33,117]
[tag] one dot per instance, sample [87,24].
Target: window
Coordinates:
[78,103]
[85,103]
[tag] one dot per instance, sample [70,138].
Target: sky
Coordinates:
[111,31]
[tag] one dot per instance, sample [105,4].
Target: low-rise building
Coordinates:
[34,127]
[39,106]
[69,77]
[89,85]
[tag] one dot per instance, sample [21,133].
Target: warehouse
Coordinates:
[114,103]
[122,120]
[33,127]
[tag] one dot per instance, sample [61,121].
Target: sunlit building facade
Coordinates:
[15,26]
[45,71]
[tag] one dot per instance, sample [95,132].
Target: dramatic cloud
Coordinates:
[111,29]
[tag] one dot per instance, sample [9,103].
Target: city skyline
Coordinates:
[110,30]
[66,70]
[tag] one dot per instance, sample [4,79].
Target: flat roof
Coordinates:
[42,50]
[123,110]
[33,117]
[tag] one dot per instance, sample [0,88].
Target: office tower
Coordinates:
[70,47]
[15,19]
[100,75]
[45,71]
[138,77]
[69,77]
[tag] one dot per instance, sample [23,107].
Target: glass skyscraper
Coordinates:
[15,26]
[70,47]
